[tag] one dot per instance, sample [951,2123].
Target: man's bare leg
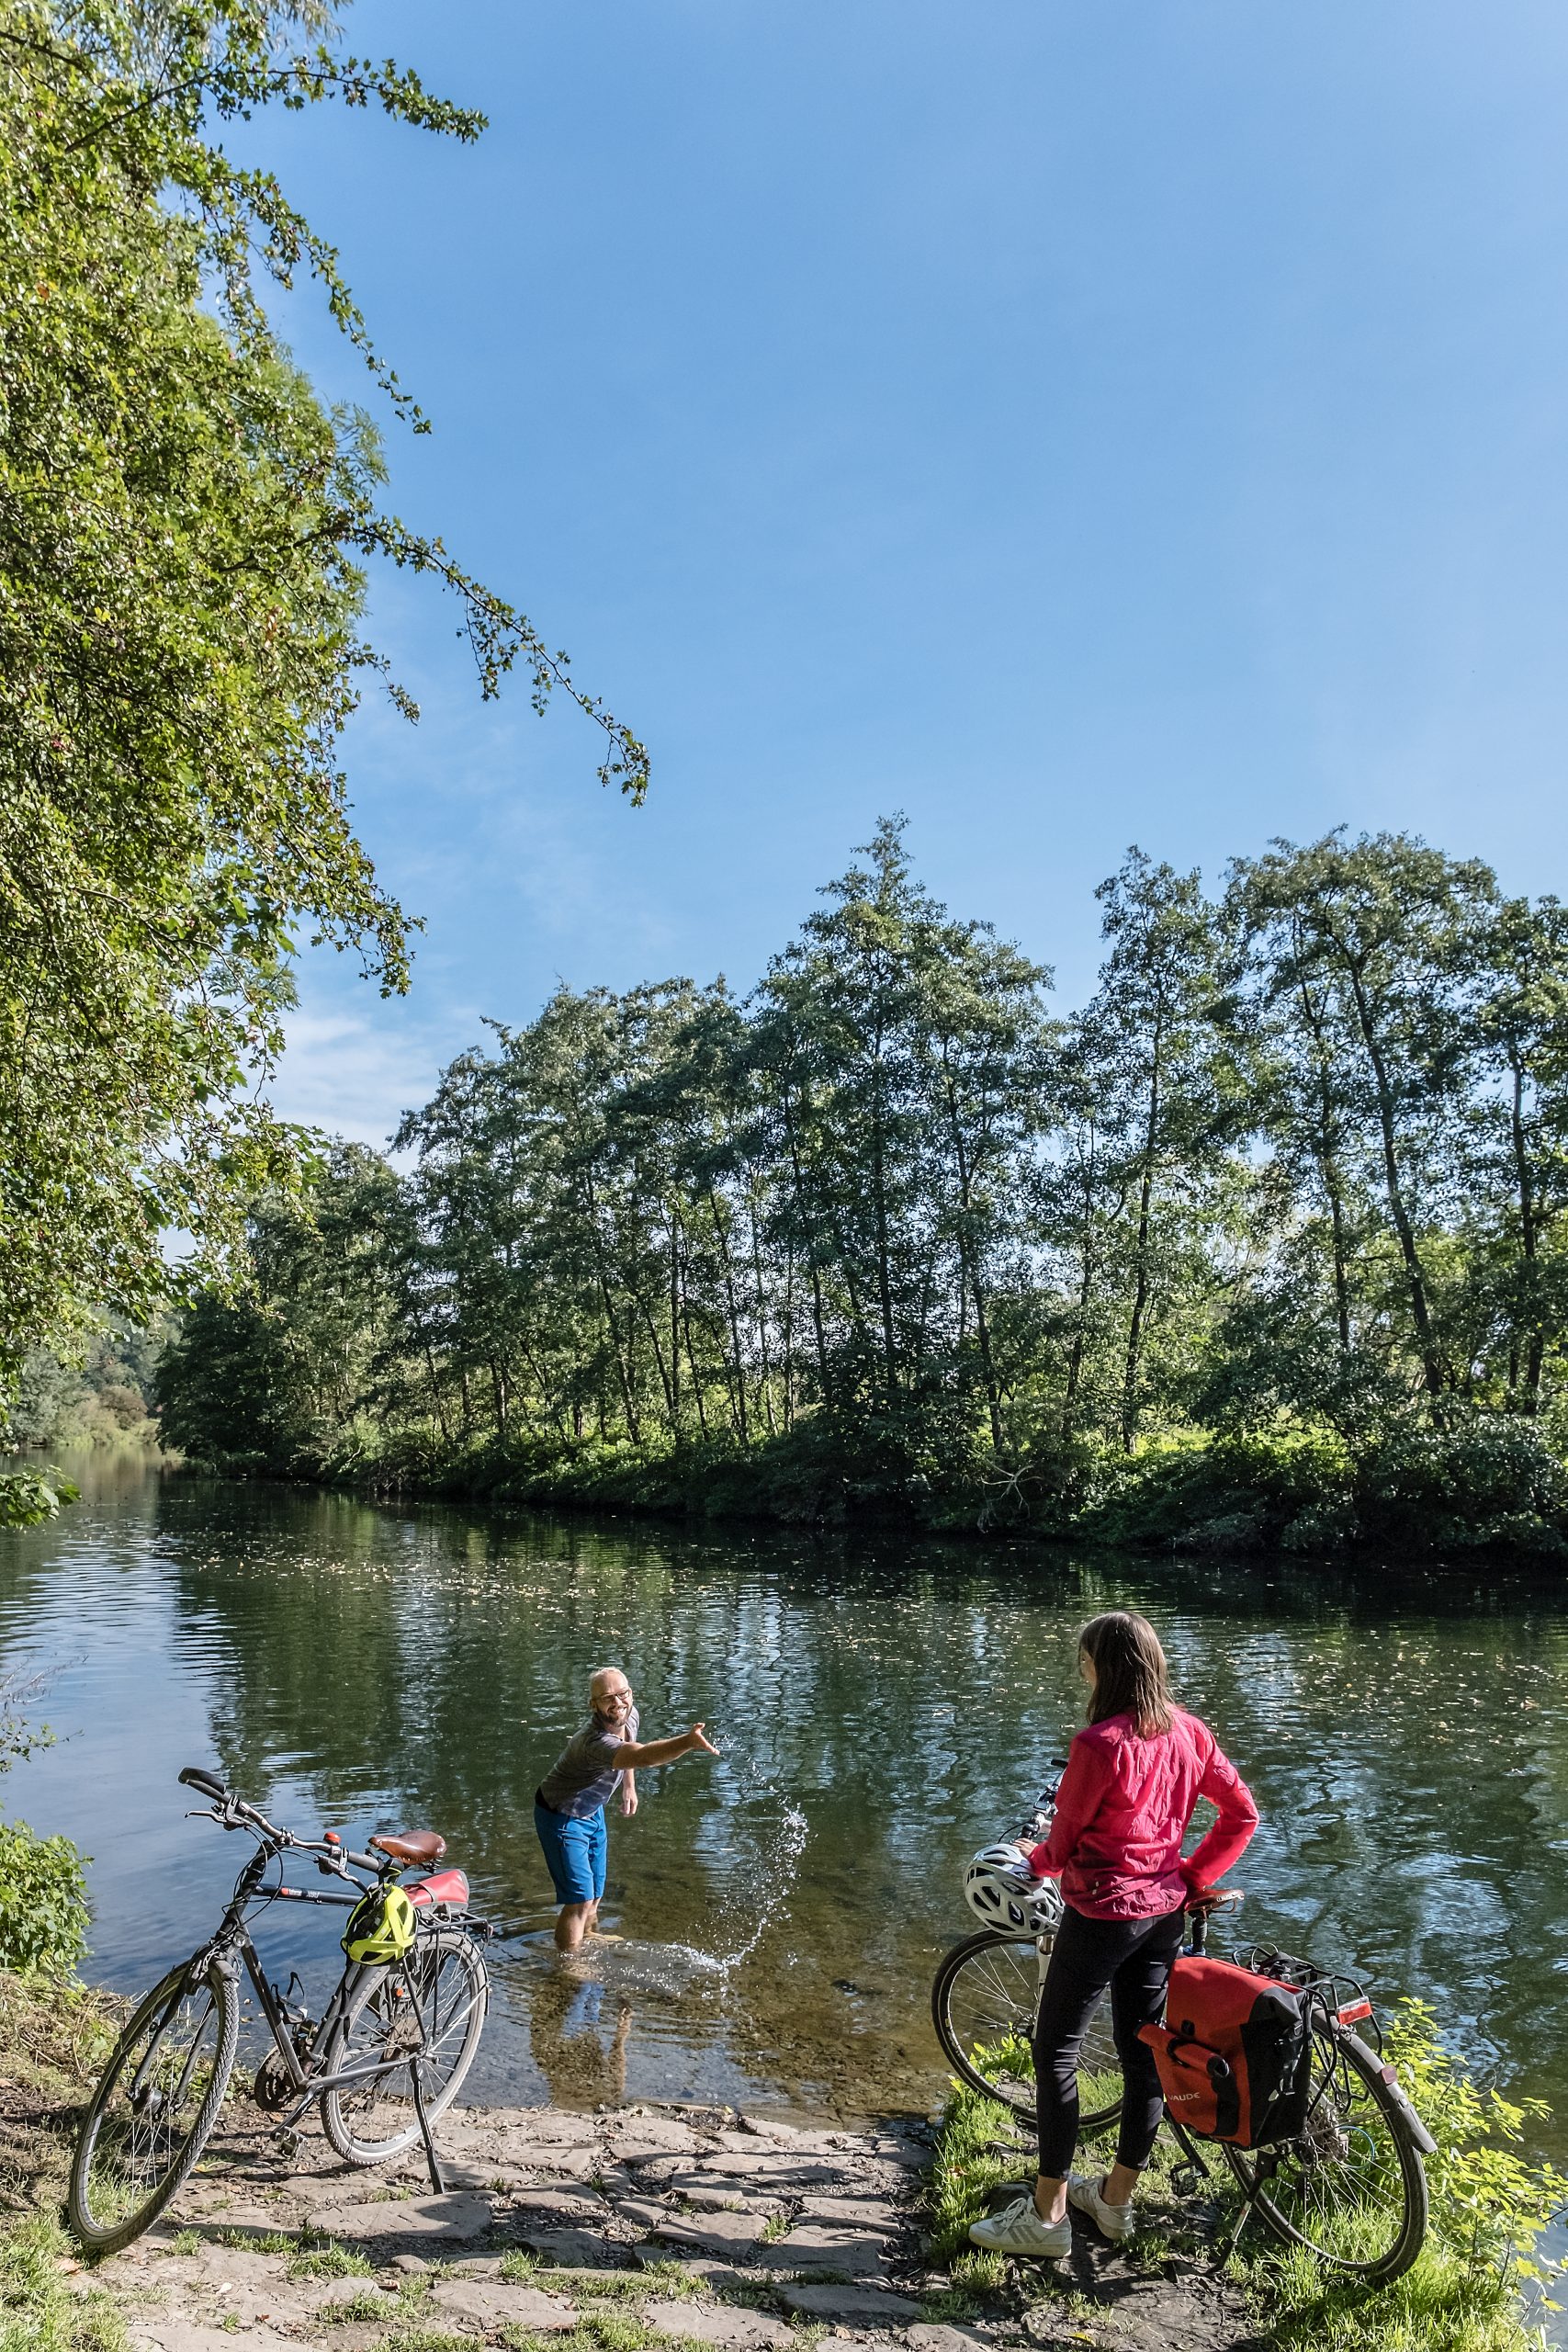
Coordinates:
[573,1921]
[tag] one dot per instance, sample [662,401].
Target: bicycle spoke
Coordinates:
[1340,2187]
[153,2106]
[421,2015]
[984,2009]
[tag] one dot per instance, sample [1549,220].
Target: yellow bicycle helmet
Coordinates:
[381,1927]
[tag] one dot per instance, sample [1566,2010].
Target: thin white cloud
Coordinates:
[351,1074]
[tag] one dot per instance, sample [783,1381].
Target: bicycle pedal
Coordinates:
[286,2139]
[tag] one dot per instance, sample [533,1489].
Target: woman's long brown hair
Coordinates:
[1129,1671]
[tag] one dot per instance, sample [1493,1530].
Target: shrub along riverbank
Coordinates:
[1486,1487]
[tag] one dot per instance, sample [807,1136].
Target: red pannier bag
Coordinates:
[1233,2053]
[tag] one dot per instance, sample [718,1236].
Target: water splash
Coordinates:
[757,1893]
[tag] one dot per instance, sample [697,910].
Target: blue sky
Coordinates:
[1072,422]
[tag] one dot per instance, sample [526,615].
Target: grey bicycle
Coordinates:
[383,2060]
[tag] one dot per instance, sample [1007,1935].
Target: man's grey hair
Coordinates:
[601,1671]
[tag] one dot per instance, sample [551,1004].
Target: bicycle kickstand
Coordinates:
[436,2183]
[1234,2240]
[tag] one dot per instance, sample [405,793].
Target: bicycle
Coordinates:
[386,2058]
[1350,2186]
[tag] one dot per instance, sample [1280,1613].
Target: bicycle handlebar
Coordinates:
[235,1813]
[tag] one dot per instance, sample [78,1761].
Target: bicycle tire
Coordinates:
[997,1986]
[92,2187]
[1341,2136]
[431,1954]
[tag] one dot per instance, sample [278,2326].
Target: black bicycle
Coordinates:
[383,2060]
[1350,2186]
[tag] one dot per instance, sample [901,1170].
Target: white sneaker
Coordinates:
[1112,2222]
[1017,2228]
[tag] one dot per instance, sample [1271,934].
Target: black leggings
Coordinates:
[1134,1957]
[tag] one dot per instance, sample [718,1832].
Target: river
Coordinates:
[883,1708]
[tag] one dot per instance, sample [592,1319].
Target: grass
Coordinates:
[1466,2291]
[38,2311]
[318,2257]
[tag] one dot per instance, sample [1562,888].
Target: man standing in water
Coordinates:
[569,1806]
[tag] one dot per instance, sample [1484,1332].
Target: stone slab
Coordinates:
[851,2305]
[712,2193]
[156,2332]
[582,2249]
[781,2168]
[652,2255]
[658,2136]
[854,2213]
[725,2325]
[721,2234]
[434,2220]
[578,2207]
[496,2303]
[817,2245]
[932,2336]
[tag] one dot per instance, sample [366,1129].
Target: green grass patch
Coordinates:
[38,2311]
[665,2278]
[1477,2285]
[365,2303]
[310,2256]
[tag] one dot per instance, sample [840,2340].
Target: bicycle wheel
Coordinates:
[1351,2185]
[983,2004]
[153,2109]
[428,2010]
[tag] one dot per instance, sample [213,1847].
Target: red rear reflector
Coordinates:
[1352,2011]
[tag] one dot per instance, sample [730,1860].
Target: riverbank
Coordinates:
[1489,1489]
[652,2227]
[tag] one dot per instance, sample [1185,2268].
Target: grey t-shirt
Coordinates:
[582,1779]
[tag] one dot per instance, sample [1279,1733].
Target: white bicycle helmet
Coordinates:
[1002,1892]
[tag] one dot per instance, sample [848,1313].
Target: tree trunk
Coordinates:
[1529,1231]
[1431,1363]
[968,1261]
[1328,1156]
[1141,1286]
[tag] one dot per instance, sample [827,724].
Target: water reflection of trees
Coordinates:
[907,1699]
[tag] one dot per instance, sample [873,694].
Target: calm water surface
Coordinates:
[882,1711]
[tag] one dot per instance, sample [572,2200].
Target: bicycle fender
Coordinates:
[1389,2076]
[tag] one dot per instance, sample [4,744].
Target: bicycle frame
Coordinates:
[233,1946]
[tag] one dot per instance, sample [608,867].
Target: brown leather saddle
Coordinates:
[418,1846]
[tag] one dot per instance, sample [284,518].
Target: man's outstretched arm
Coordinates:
[638,1755]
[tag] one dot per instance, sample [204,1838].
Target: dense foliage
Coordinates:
[1264,1244]
[43,1888]
[183,532]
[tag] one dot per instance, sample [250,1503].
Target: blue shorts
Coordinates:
[576,1851]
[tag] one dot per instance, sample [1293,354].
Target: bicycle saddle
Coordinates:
[418,1846]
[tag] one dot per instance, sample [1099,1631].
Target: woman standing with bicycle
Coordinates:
[1123,1809]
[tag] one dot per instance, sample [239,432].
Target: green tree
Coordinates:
[1364,952]
[183,534]
[1152,1055]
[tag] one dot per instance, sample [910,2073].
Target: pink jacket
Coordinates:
[1122,1811]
